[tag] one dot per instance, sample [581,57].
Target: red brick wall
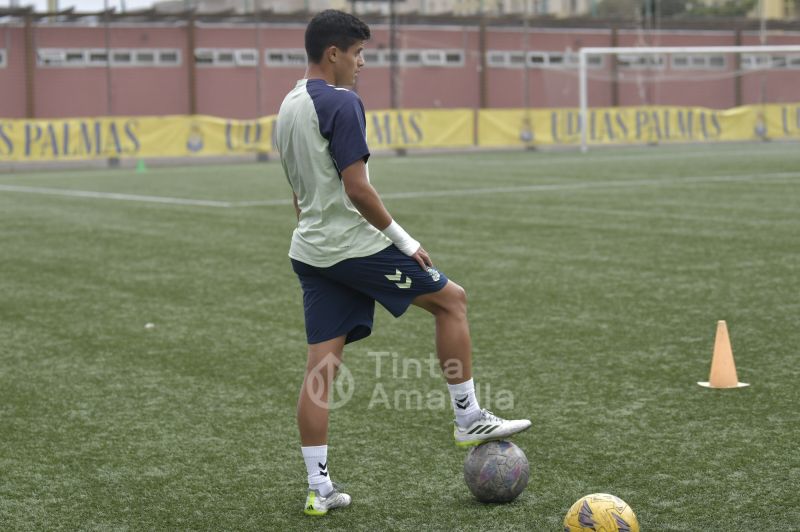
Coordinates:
[233,92]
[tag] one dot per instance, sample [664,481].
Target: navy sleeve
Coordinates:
[349,135]
[341,122]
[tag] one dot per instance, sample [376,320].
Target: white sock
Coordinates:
[465,404]
[316,459]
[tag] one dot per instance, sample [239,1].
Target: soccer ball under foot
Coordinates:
[496,471]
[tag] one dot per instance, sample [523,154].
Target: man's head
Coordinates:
[334,42]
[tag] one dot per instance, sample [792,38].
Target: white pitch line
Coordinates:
[580,185]
[557,186]
[262,203]
[115,196]
[601,157]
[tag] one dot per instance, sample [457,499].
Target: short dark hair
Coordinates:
[332,27]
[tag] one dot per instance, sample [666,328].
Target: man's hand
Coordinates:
[422,257]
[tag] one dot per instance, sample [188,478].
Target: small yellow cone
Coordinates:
[723,368]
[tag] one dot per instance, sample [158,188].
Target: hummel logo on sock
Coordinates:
[463,402]
[323,468]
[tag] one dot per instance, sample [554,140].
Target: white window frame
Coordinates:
[516,59]
[417,57]
[75,57]
[92,62]
[433,58]
[166,51]
[289,57]
[269,58]
[442,57]
[116,53]
[778,61]
[373,57]
[387,56]
[641,61]
[712,66]
[697,62]
[593,61]
[296,58]
[51,57]
[496,58]
[756,61]
[558,60]
[410,58]
[760,61]
[571,60]
[225,57]
[448,53]
[145,51]
[538,59]
[204,57]
[99,57]
[246,57]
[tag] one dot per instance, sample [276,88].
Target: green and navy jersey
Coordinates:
[321,130]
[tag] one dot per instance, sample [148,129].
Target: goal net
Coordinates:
[685,94]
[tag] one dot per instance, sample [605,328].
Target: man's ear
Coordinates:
[331,53]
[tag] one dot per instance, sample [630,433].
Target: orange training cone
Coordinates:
[723,368]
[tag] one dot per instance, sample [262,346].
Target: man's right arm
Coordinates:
[364,196]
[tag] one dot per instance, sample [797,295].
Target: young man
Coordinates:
[348,252]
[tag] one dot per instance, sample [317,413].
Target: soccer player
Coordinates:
[348,252]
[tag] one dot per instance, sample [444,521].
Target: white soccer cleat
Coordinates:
[488,427]
[316,504]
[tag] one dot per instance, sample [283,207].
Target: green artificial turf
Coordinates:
[595,283]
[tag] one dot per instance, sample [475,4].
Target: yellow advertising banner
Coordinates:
[198,136]
[420,128]
[122,137]
[637,125]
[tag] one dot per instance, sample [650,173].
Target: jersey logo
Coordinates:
[399,277]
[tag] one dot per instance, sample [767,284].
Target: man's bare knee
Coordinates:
[450,300]
[460,298]
[453,300]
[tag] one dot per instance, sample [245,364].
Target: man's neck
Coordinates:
[314,71]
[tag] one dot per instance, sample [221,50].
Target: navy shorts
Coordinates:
[340,299]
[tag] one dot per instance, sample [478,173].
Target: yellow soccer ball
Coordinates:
[600,512]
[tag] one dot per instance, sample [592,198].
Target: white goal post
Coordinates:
[584,53]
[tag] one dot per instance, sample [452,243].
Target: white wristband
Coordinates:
[401,239]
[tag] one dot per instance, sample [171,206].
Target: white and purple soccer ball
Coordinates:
[496,471]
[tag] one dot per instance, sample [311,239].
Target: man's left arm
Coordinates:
[366,199]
